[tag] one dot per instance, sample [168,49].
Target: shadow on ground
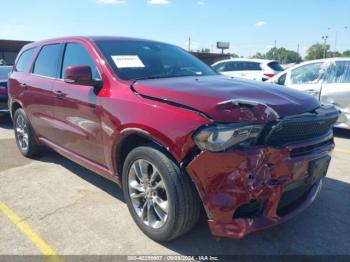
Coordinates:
[104,184]
[6,122]
[342,133]
[324,228]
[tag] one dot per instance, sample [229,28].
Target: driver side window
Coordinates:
[308,74]
[75,54]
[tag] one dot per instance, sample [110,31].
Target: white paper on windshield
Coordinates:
[127,61]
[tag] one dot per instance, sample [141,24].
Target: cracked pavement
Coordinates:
[78,212]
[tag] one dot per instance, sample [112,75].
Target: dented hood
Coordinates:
[206,94]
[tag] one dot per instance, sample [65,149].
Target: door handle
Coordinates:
[59,94]
[24,85]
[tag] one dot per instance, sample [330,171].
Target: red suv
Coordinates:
[175,135]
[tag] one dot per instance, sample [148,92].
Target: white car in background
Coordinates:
[254,69]
[327,79]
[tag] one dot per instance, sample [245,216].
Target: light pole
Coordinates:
[325,37]
[336,34]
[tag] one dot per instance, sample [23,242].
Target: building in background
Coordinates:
[211,58]
[9,50]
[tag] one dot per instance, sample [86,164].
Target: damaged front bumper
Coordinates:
[253,189]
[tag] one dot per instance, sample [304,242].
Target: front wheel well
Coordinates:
[129,143]
[14,108]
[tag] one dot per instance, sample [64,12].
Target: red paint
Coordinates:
[86,125]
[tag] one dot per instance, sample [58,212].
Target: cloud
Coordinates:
[260,24]
[158,2]
[111,2]
[200,3]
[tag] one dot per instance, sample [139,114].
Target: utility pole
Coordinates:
[189,44]
[325,37]
[335,41]
[274,50]
[298,49]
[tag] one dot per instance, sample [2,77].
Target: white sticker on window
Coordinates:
[127,61]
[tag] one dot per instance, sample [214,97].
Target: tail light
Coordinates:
[269,75]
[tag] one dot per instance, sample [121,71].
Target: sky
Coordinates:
[250,25]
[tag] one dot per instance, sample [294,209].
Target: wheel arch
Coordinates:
[132,138]
[14,106]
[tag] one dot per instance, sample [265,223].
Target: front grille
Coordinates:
[302,127]
[302,151]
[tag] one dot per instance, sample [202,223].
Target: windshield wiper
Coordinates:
[149,77]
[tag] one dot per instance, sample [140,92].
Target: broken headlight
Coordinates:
[221,137]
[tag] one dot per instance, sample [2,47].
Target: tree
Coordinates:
[282,55]
[259,55]
[334,54]
[346,53]
[316,51]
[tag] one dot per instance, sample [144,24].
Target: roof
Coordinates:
[88,38]
[333,59]
[261,61]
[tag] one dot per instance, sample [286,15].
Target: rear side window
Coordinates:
[23,62]
[275,66]
[234,66]
[46,63]
[243,66]
[76,54]
[251,66]
[340,73]
[219,67]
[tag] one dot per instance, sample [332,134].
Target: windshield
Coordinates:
[4,72]
[133,60]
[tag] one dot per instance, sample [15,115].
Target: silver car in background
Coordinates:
[326,79]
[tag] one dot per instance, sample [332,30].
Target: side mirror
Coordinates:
[80,75]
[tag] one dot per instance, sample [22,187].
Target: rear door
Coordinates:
[251,70]
[336,90]
[77,110]
[37,96]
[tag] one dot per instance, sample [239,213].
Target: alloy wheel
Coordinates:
[22,133]
[148,193]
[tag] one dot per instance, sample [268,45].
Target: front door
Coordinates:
[307,78]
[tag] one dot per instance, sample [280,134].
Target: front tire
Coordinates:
[24,135]
[161,199]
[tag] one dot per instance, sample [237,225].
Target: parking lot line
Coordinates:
[341,150]
[44,248]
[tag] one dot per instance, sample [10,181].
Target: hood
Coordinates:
[211,95]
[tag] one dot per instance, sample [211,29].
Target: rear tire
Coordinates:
[174,207]
[25,138]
